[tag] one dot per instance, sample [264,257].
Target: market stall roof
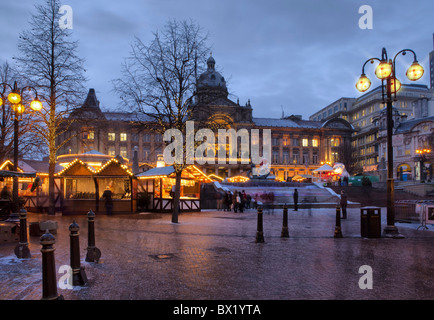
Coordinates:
[26,165]
[111,168]
[324,167]
[114,168]
[77,168]
[7,174]
[191,172]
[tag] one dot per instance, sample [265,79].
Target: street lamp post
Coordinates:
[15,99]
[386,72]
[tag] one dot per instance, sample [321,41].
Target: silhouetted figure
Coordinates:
[107,195]
[343,203]
[295,200]
[6,194]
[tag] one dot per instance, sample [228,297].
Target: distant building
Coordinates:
[413,101]
[298,146]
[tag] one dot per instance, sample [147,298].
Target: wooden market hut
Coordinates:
[33,183]
[156,184]
[83,187]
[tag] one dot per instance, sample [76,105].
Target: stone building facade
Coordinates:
[298,146]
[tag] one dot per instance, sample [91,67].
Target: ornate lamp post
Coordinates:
[386,72]
[15,99]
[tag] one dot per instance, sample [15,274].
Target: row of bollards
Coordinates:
[47,241]
[285,230]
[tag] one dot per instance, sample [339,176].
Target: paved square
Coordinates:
[213,255]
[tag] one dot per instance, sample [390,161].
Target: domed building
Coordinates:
[297,146]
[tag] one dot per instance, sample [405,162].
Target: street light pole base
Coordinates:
[392,232]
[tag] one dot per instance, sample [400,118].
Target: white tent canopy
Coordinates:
[323,168]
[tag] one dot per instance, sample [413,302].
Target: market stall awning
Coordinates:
[191,172]
[8,174]
[323,168]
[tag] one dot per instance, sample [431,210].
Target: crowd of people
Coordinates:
[238,201]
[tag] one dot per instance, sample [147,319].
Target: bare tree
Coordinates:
[346,156]
[49,63]
[159,80]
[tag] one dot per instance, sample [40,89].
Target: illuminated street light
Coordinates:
[386,71]
[15,98]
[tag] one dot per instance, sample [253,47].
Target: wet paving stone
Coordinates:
[213,255]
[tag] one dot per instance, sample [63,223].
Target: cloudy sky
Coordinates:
[295,55]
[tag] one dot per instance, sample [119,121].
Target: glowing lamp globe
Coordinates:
[1,101]
[363,83]
[14,98]
[415,72]
[395,85]
[18,108]
[36,105]
[383,70]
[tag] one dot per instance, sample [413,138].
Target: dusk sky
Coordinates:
[296,55]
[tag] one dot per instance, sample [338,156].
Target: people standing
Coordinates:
[343,203]
[295,196]
[6,194]
[235,200]
[229,201]
[107,195]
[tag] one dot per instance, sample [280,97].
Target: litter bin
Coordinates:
[370,222]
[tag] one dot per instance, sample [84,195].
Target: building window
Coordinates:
[146,154]
[315,158]
[334,142]
[275,141]
[305,142]
[295,157]
[305,157]
[123,136]
[285,141]
[275,157]
[147,137]
[285,157]
[123,152]
[111,136]
[315,143]
[111,151]
[294,142]
[89,135]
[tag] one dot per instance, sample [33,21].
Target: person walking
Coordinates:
[343,203]
[235,200]
[107,195]
[295,196]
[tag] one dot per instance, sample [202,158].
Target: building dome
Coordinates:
[211,78]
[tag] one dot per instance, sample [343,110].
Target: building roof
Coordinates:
[287,123]
[407,126]
[158,171]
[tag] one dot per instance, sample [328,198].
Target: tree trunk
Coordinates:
[176,198]
[51,195]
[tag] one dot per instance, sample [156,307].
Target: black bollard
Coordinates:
[93,253]
[259,232]
[49,283]
[79,277]
[22,249]
[285,232]
[338,231]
